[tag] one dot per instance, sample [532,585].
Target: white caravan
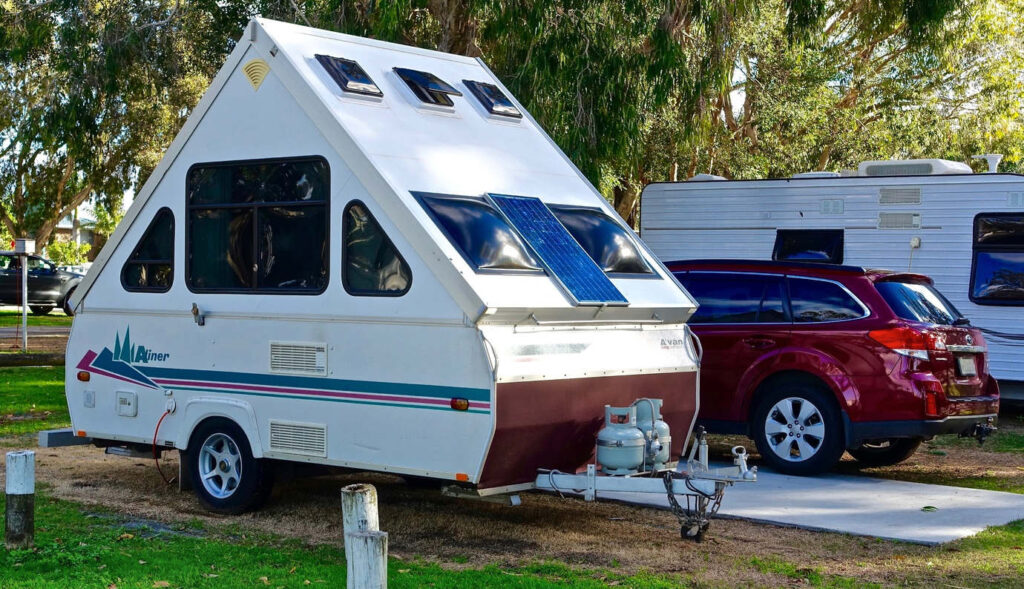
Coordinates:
[369,255]
[933,217]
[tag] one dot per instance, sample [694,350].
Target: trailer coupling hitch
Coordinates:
[980,431]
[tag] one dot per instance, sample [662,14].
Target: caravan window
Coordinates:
[150,268]
[809,245]
[480,233]
[607,243]
[371,263]
[258,226]
[997,271]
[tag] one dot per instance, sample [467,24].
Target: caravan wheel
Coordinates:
[225,476]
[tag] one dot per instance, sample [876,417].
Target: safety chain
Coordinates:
[696,516]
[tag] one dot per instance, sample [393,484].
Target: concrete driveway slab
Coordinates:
[861,505]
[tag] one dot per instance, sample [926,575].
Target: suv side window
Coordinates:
[817,301]
[731,298]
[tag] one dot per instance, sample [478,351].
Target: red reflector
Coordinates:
[80,433]
[459,404]
[83,376]
[931,404]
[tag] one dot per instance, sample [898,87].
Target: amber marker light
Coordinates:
[461,476]
[459,404]
[83,376]
[80,433]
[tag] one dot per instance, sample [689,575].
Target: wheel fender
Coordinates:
[809,362]
[198,409]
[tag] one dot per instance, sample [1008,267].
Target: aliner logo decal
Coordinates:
[132,354]
[118,363]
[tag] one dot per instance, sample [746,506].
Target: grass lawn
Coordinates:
[12,318]
[32,399]
[79,549]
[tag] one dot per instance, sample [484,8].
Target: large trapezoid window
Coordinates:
[372,265]
[258,226]
[150,268]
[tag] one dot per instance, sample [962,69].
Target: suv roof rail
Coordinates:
[771,263]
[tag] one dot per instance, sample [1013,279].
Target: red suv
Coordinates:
[811,360]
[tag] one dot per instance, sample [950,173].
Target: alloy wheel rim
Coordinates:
[220,465]
[794,429]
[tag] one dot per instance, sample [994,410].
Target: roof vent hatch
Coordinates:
[427,87]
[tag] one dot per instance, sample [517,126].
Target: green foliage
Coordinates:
[67,253]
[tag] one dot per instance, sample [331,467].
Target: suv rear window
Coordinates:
[815,301]
[918,302]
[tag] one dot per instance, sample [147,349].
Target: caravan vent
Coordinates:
[899,221]
[309,439]
[926,167]
[298,358]
[255,71]
[899,196]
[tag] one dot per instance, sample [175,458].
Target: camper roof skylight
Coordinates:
[427,87]
[349,76]
[604,240]
[493,99]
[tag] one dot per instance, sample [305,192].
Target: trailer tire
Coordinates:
[225,476]
[805,433]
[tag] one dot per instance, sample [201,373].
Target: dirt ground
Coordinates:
[41,344]
[456,532]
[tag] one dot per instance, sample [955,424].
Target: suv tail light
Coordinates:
[908,341]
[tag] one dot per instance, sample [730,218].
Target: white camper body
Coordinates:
[923,223]
[443,368]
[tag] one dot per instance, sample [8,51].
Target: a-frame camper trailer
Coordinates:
[368,255]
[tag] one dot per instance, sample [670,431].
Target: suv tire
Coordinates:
[66,303]
[885,452]
[40,309]
[225,476]
[797,428]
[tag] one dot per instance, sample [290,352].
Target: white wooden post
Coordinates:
[21,498]
[366,547]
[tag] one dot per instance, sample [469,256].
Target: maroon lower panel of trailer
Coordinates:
[554,423]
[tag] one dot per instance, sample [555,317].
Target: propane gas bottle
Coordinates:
[620,444]
[656,431]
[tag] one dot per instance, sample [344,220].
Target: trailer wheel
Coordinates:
[225,476]
[797,428]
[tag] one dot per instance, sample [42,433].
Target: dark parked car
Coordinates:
[48,287]
[812,359]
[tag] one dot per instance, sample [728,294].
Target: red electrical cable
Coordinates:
[155,455]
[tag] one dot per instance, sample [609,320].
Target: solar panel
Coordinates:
[581,278]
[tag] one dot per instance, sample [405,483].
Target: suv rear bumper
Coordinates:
[860,431]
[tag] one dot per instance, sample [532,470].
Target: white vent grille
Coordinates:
[308,439]
[899,196]
[832,206]
[298,358]
[899,221]
[899,169]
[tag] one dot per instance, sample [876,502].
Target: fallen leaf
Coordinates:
[161,584]
[265,580]
[293,570]
[403,570]
[929,508]
[126,536]
[112,586]
[306,582]
[101,567]
[142,562]
[211,575]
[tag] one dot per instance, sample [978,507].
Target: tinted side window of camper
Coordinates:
[809,245]
[604,240]
[818,301]
[997,272]
[150,268]
[480,233]
[735,299]
[371,264]
[258,226]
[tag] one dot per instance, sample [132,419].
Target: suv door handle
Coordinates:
[759,343]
